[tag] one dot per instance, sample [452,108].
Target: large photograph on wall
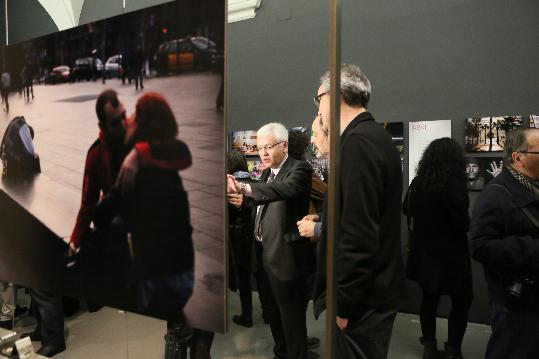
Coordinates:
[112,163]
[481,170]
[487,134]
[245,142]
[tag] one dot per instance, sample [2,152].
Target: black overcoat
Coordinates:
[439,259]
[504,239]
[369,260]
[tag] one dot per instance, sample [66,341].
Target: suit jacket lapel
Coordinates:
[283,170]
[265,175]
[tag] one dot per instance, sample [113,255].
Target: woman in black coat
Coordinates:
[439,261]
[241,253]
[156,212]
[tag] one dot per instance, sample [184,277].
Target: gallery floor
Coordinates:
[110,334]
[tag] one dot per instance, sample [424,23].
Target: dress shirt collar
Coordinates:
[276,170]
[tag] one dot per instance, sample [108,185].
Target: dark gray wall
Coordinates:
[426,61]
[273,65]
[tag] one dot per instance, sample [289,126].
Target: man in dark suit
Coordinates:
[369,262]
[284,257]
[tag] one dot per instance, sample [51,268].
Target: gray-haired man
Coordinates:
[504,237]
[284,258]
[369,263]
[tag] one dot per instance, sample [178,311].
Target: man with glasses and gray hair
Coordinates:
[284,258]
[369,267]
[504,237]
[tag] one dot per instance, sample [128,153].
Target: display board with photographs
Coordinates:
[137,251]
[487,134]
[481,170]
[245,142]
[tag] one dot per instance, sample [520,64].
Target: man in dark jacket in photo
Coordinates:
[504,237]
[369,266]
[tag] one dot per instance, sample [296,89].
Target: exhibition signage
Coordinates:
[420,134]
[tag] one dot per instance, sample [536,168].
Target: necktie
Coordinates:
[259,212]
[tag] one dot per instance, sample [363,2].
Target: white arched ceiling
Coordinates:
[64,13]
[239,10]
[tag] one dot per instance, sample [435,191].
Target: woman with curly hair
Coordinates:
[437,209]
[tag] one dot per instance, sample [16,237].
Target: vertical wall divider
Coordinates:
[7,25]
[333,192]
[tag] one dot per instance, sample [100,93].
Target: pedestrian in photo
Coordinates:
[5,87]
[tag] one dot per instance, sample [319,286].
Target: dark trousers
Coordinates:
[139,77]
[457,321]
[48,310]
[515,333]
[244,286]
[5,95]
[284,303]
[201,343]
[367,337]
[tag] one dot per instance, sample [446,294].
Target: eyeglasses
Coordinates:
[530,152]
[268,147]
[318,97]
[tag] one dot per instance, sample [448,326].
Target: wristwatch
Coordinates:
[243,188]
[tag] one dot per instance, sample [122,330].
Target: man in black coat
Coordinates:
[369,262]
[284,257]
[504,237]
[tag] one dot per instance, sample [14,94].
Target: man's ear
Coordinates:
[516,156]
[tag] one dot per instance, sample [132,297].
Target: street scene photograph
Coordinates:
[112,163]
[487,134]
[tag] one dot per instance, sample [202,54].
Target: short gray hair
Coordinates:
[355,86]
[515,141]
[275,129]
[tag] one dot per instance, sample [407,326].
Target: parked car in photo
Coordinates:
[113,67]
[59,74]
[184,54]
[84,69]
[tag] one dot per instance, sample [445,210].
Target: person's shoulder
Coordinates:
[297,164]
[94,149]
[496,191]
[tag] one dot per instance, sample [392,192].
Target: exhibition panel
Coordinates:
[140,86]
